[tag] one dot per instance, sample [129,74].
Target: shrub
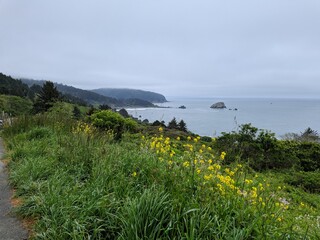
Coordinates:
[206,139]
[263,151]
[309,181]
[14,105]
[112,121]
[158,123]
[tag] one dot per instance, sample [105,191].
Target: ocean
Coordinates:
[279,116]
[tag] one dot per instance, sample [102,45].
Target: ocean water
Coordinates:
[280,116]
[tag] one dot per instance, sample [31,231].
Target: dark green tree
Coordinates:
[158,123]
[46,98]
[104,107]
[182,126]
[309,135]
[76,113]
[173,124]
[91,110]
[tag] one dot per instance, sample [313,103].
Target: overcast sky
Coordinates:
[193,48]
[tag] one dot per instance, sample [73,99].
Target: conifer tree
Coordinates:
[76,113]
[182,126]
[46,98]
[173,124]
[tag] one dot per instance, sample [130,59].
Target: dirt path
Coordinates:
[10,227]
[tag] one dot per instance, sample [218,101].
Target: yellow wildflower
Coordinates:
[222,156]
[186,164]
[208,177]
[211,168]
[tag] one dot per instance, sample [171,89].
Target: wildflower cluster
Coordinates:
[208,177]
[83,128]
[163,148]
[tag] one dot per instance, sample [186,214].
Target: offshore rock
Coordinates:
[219,105]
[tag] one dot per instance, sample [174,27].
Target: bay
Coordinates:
[280,116]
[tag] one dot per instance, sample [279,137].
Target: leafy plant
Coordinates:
[112,121]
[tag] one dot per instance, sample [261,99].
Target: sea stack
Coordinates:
[219,105]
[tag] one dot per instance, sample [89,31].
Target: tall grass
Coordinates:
[80,184]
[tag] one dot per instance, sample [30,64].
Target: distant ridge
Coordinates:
[126,93]
[94,98]
[85,95]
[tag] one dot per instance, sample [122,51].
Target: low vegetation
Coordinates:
[87,173]
[76,182]
[14,105]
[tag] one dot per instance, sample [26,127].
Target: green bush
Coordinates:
[206,139]
[112,121]
[309,181]
[250,145]
[15,106]
[309,155]
[263,151]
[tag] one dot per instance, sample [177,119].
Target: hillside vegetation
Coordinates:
[122,93]
[139,99]
[11,86]
[88,173]
[82,180]
[14,105]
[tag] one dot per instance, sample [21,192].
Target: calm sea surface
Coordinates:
[277,115]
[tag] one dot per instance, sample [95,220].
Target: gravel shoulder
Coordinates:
[10,227]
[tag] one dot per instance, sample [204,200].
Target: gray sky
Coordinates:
[193,48]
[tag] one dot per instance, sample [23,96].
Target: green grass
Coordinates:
[80,184]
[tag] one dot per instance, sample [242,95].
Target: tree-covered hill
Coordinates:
[87,96]
[92,97]
[123,93]
[11,86]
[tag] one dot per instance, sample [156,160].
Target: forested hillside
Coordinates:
[95,98]
[11,86]
[122,93]
[87,96]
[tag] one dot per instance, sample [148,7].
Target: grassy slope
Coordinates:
[78,184]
